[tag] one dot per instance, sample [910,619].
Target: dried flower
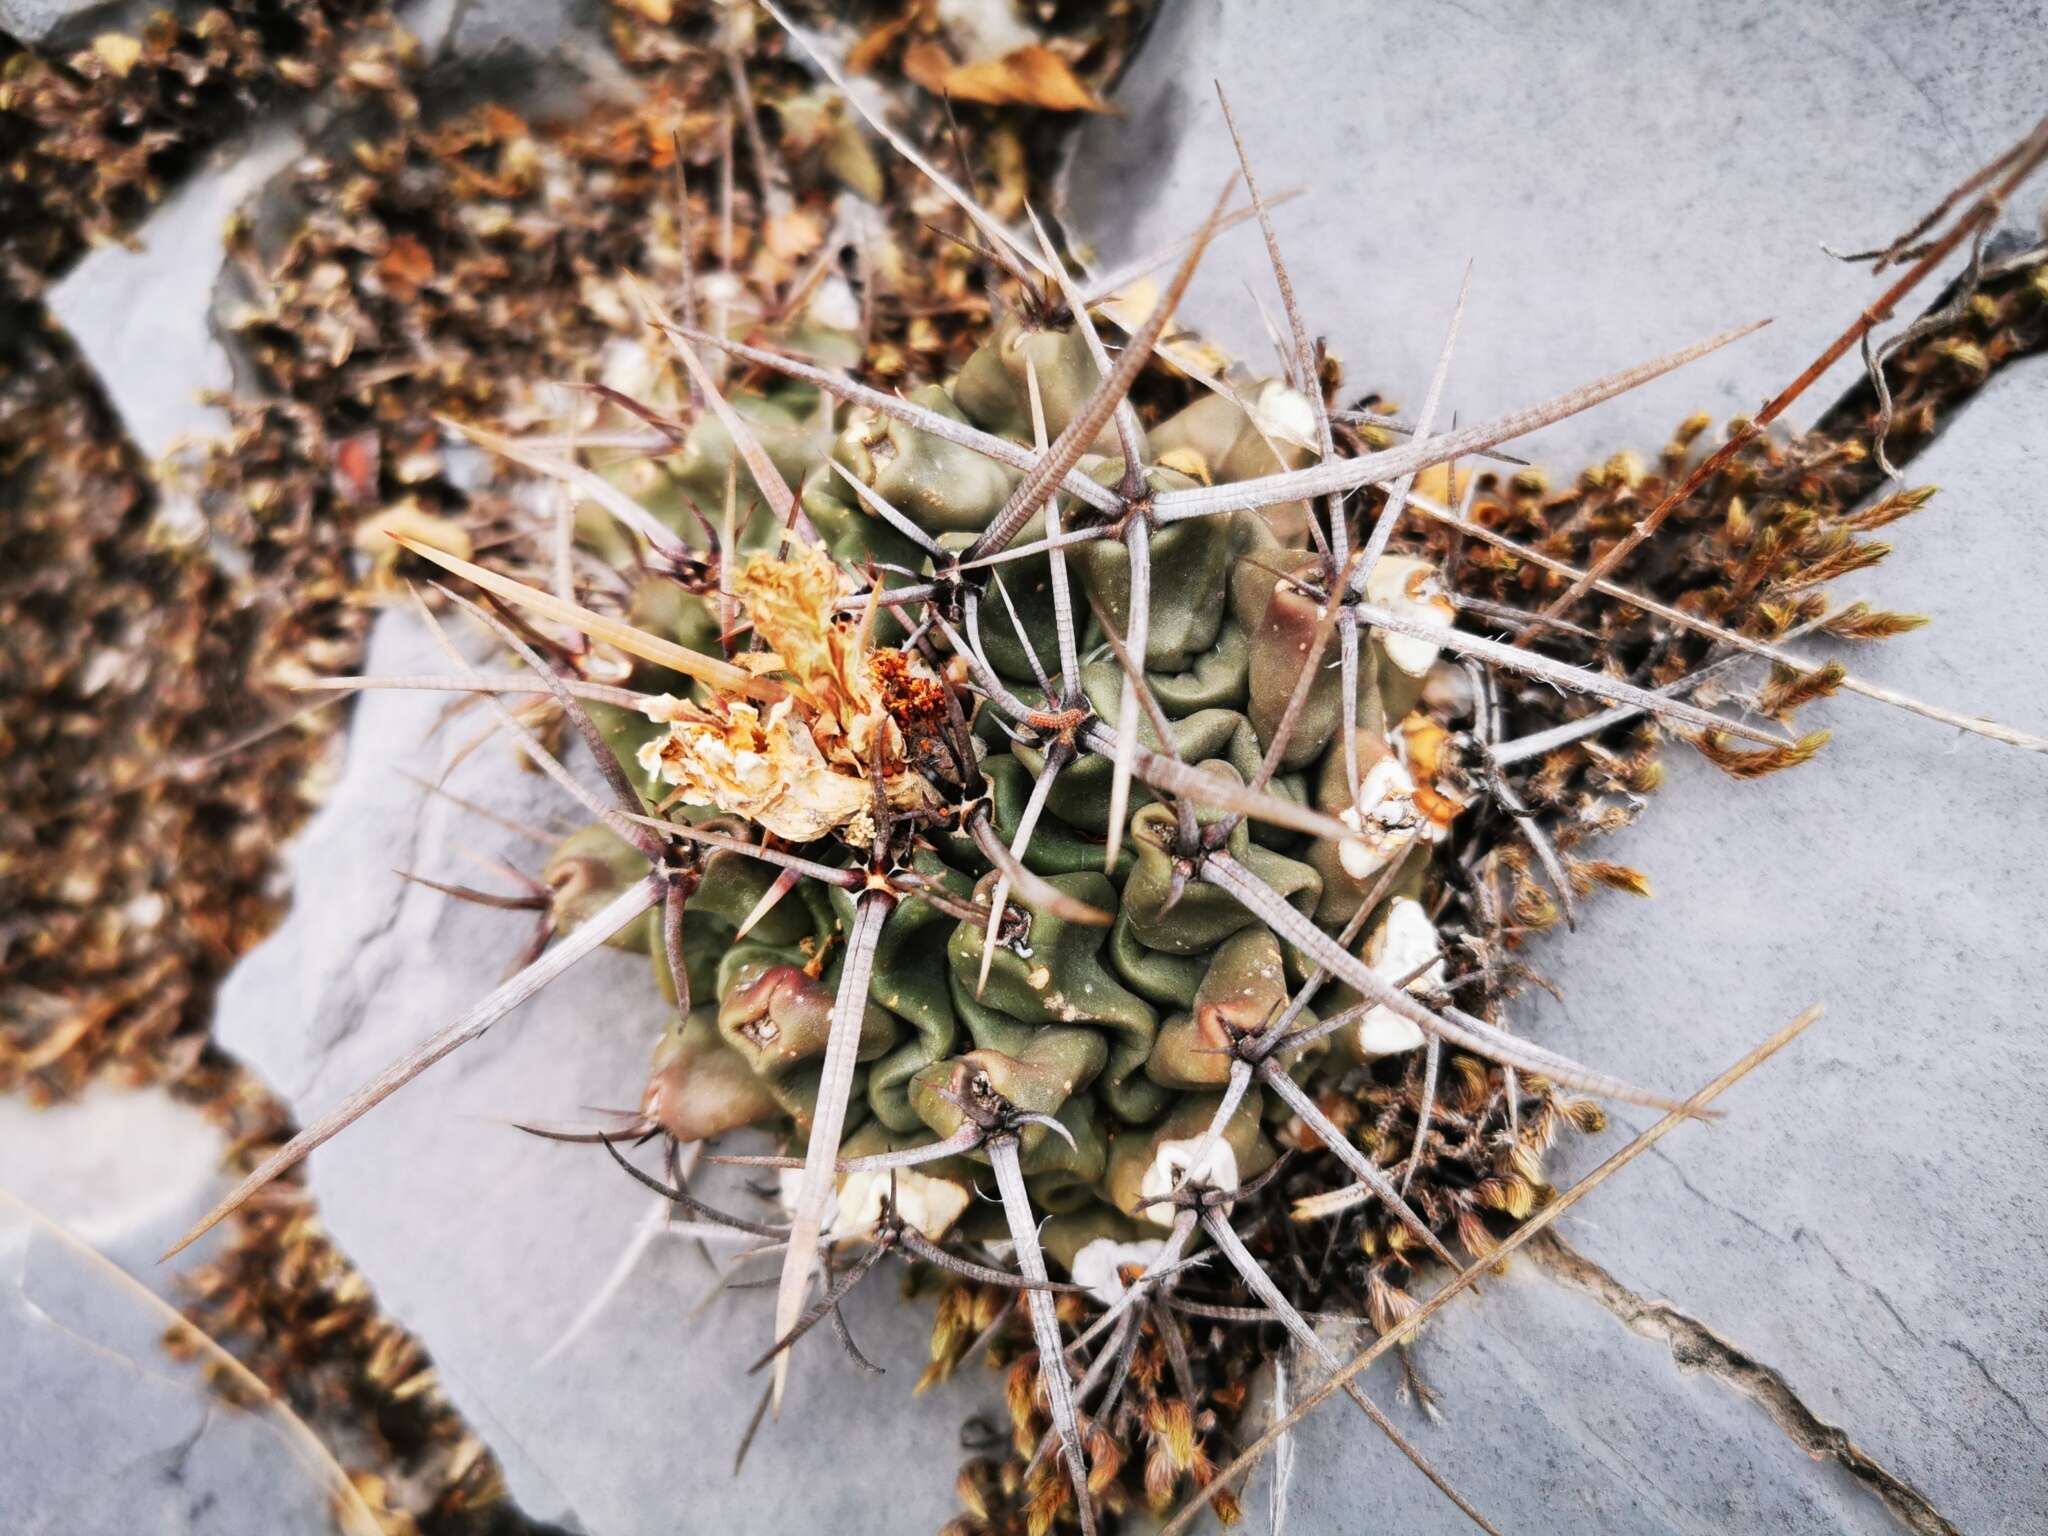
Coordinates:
[1414,589]
[766,767]
[807,765]
[1404,940]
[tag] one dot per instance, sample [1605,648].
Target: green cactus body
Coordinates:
[1121,1033]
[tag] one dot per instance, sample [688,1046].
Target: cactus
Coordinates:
[1026,796]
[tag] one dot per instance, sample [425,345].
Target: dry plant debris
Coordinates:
[93,138]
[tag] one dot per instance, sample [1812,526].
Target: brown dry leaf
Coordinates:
[356,462]
[1436,483]
[793,235]
[870,50]
[928,64]
[1586,873]
[406,266]
[501,124]
[1031,76]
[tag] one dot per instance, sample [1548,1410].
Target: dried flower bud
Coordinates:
[1405,939]
[1100,1264]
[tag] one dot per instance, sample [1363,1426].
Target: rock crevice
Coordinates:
[1696,1347]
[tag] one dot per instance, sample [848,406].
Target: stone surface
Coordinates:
[124,1170]
[105,1434]
[472,29]
[143,317]
[490,1244]
[1625,179]
[53,23]
[1554,1418]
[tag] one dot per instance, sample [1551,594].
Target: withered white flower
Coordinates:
[763,767]
[1412,588]
[1383,818]
[1175,1159]
[801,768]
[1099,1265]
[1283,413]
[927,1203]
[1404,939]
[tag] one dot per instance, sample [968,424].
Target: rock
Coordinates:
[143,317]
[489,1244]
[544,55]
[124,1170]
[107,1435]
[455,29]
[52,24]
[1626,180]
[1555,1418]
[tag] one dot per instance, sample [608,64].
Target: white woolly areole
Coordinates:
[1096,1266]
[1410,587]
[720,288]
[929,1204]
[1284,412]
[629,367]
[1405,939]
[1384,813]
[1171,1166]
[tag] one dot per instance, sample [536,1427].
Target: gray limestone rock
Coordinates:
[143,316]
[1552,1417]
[54,24]
[125,1170]
[472,29]
[106,1435]
[1868,1218]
